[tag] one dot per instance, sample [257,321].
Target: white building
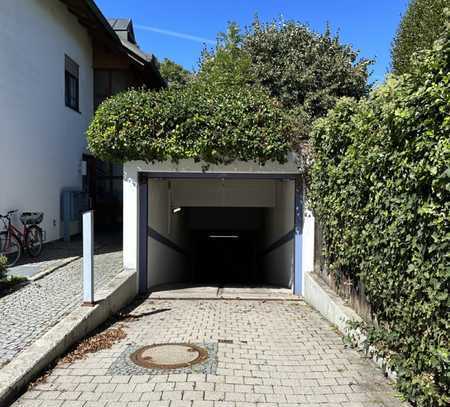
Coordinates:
[59,59]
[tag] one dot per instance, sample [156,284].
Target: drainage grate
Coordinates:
[169,356]
[228,341]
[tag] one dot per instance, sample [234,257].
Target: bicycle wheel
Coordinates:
[11,248]
[33,241]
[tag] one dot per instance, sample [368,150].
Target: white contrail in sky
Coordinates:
[175,34]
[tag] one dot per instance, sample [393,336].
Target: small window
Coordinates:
[72,84]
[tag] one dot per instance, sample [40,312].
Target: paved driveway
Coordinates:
[261,353]
[28,313]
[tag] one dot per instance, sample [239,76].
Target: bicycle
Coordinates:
[13,241]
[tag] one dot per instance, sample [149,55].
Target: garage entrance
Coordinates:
[225,245]
[224,230]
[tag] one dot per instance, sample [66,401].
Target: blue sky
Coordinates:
[177,29]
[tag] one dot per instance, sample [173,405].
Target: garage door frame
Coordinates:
[143,210]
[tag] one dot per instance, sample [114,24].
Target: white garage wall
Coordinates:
[308,242]
[232,219]
[41,140]
[165,265]
[224,193]
[278,264]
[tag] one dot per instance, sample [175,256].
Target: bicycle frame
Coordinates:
[10,229]
[15,240]
[17,232]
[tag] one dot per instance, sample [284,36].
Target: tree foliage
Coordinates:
[304,68]
[202,121]
[228,64]
[306,71]
[381,189]
[174,74]
[422,24]
[253,98]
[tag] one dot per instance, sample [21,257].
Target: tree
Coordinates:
[304,68]
[306,71]
[254,98]
[174,74]
[228,64]
[422,24]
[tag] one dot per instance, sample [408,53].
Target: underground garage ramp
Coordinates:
[222,232]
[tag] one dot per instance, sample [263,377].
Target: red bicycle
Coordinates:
[13,241]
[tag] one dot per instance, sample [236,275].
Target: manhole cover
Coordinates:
[169,356]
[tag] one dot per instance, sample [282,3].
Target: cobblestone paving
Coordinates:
[30,312]
[271,354]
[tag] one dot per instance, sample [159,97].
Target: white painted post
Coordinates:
[88,258]
[298,237]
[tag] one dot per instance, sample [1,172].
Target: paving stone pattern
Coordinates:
[31,311]
[270,354]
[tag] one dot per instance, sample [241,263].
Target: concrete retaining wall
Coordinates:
[321,297]
[328,303]
[30,363]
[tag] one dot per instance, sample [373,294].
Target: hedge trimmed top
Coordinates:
[198,121]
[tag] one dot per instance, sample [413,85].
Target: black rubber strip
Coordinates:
[166,242]
[280,242]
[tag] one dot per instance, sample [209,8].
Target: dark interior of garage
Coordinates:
[225,245]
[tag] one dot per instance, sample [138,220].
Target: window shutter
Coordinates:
[71,66]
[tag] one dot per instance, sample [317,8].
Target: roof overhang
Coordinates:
[90,16]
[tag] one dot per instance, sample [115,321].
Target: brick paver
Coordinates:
[30,312]
[272,353]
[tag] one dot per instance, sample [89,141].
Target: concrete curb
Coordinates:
[333,308]
[50,270]
[265,299]
[15,376]
[328,303]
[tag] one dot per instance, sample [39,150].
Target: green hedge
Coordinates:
[201,121]
[381,189]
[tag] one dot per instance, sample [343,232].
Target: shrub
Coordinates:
[3,262]
[381,189]
[421,25]
[202,121]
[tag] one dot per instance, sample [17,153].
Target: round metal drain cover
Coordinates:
[169,355]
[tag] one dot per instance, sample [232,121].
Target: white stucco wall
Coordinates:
[165,265]
[279,263]
[223,193]
[41,140]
